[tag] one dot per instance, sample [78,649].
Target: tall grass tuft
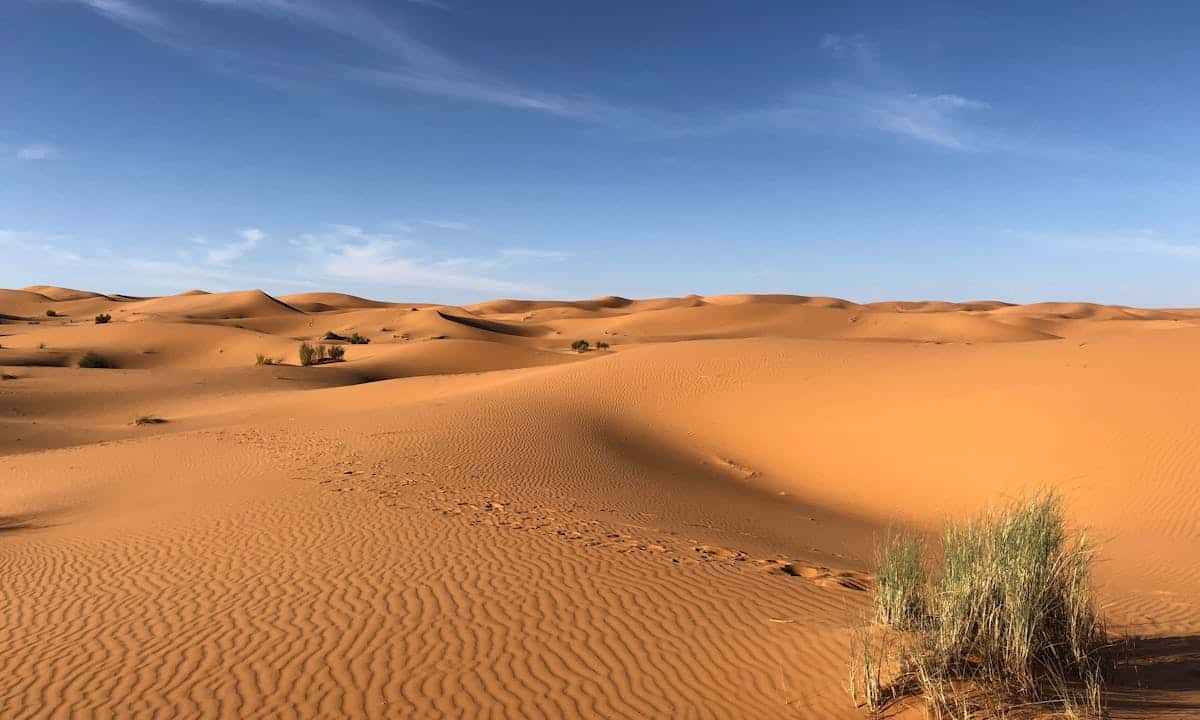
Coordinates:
[900,581]
[1002,617]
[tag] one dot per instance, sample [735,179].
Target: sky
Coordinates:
[459,150]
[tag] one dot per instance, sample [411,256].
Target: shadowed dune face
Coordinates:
[466,517]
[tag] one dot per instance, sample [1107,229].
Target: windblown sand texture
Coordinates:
[468,519]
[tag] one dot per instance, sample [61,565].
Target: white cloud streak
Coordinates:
[447,224]
[37,151]
[348,252]
[867,96]
[227,253]
[534,254]
[37,245]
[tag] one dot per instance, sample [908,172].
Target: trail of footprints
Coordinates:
[418,490]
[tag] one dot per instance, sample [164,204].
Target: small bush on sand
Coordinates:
[51,313]
[601,345]
[357,339]
[337,353]
[149,420]
[322,352]
[93,359]
[580,346]
[260,359]
[103,318]
[308,354]
[1004,619]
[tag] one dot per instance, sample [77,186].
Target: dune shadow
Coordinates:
[15,523]
[1158,674]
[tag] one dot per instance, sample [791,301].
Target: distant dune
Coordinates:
[468,518]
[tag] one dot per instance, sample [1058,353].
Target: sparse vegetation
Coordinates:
[601,345]
[308,354]
[149,420]
[93,359]
[51,313]
[316,354]
[1005,618]
[260,359]
[103,318]
[7,376]
[356,339]
[580,346]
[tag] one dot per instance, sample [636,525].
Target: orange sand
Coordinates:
[468,519]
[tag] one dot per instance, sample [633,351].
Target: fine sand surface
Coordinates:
[467,519]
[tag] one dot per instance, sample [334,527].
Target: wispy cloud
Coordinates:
[864,94]
[534,254]
[346,252]
[872,96]
[401,61]
[447,224]
[1140,241]
[1169,249]
[37,151]
[37,246]
[435,4]
[227,253]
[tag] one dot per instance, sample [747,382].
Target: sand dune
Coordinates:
[468,519]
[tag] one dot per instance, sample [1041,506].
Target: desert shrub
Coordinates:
[308,354]
[260,359]
[601,345]
[322,352]
[93,359]
[103,318]
[331,335]
[1004,618]
[337,353]
[357,339]
[51,313]
[580,346]
[149,420]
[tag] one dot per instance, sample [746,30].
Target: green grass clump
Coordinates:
[580,346]
[337,353]
[93,359]
[356,339]
[103,318]
[260,359]
[900,582]
[1003,618]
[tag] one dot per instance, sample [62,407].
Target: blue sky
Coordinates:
[457,150]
